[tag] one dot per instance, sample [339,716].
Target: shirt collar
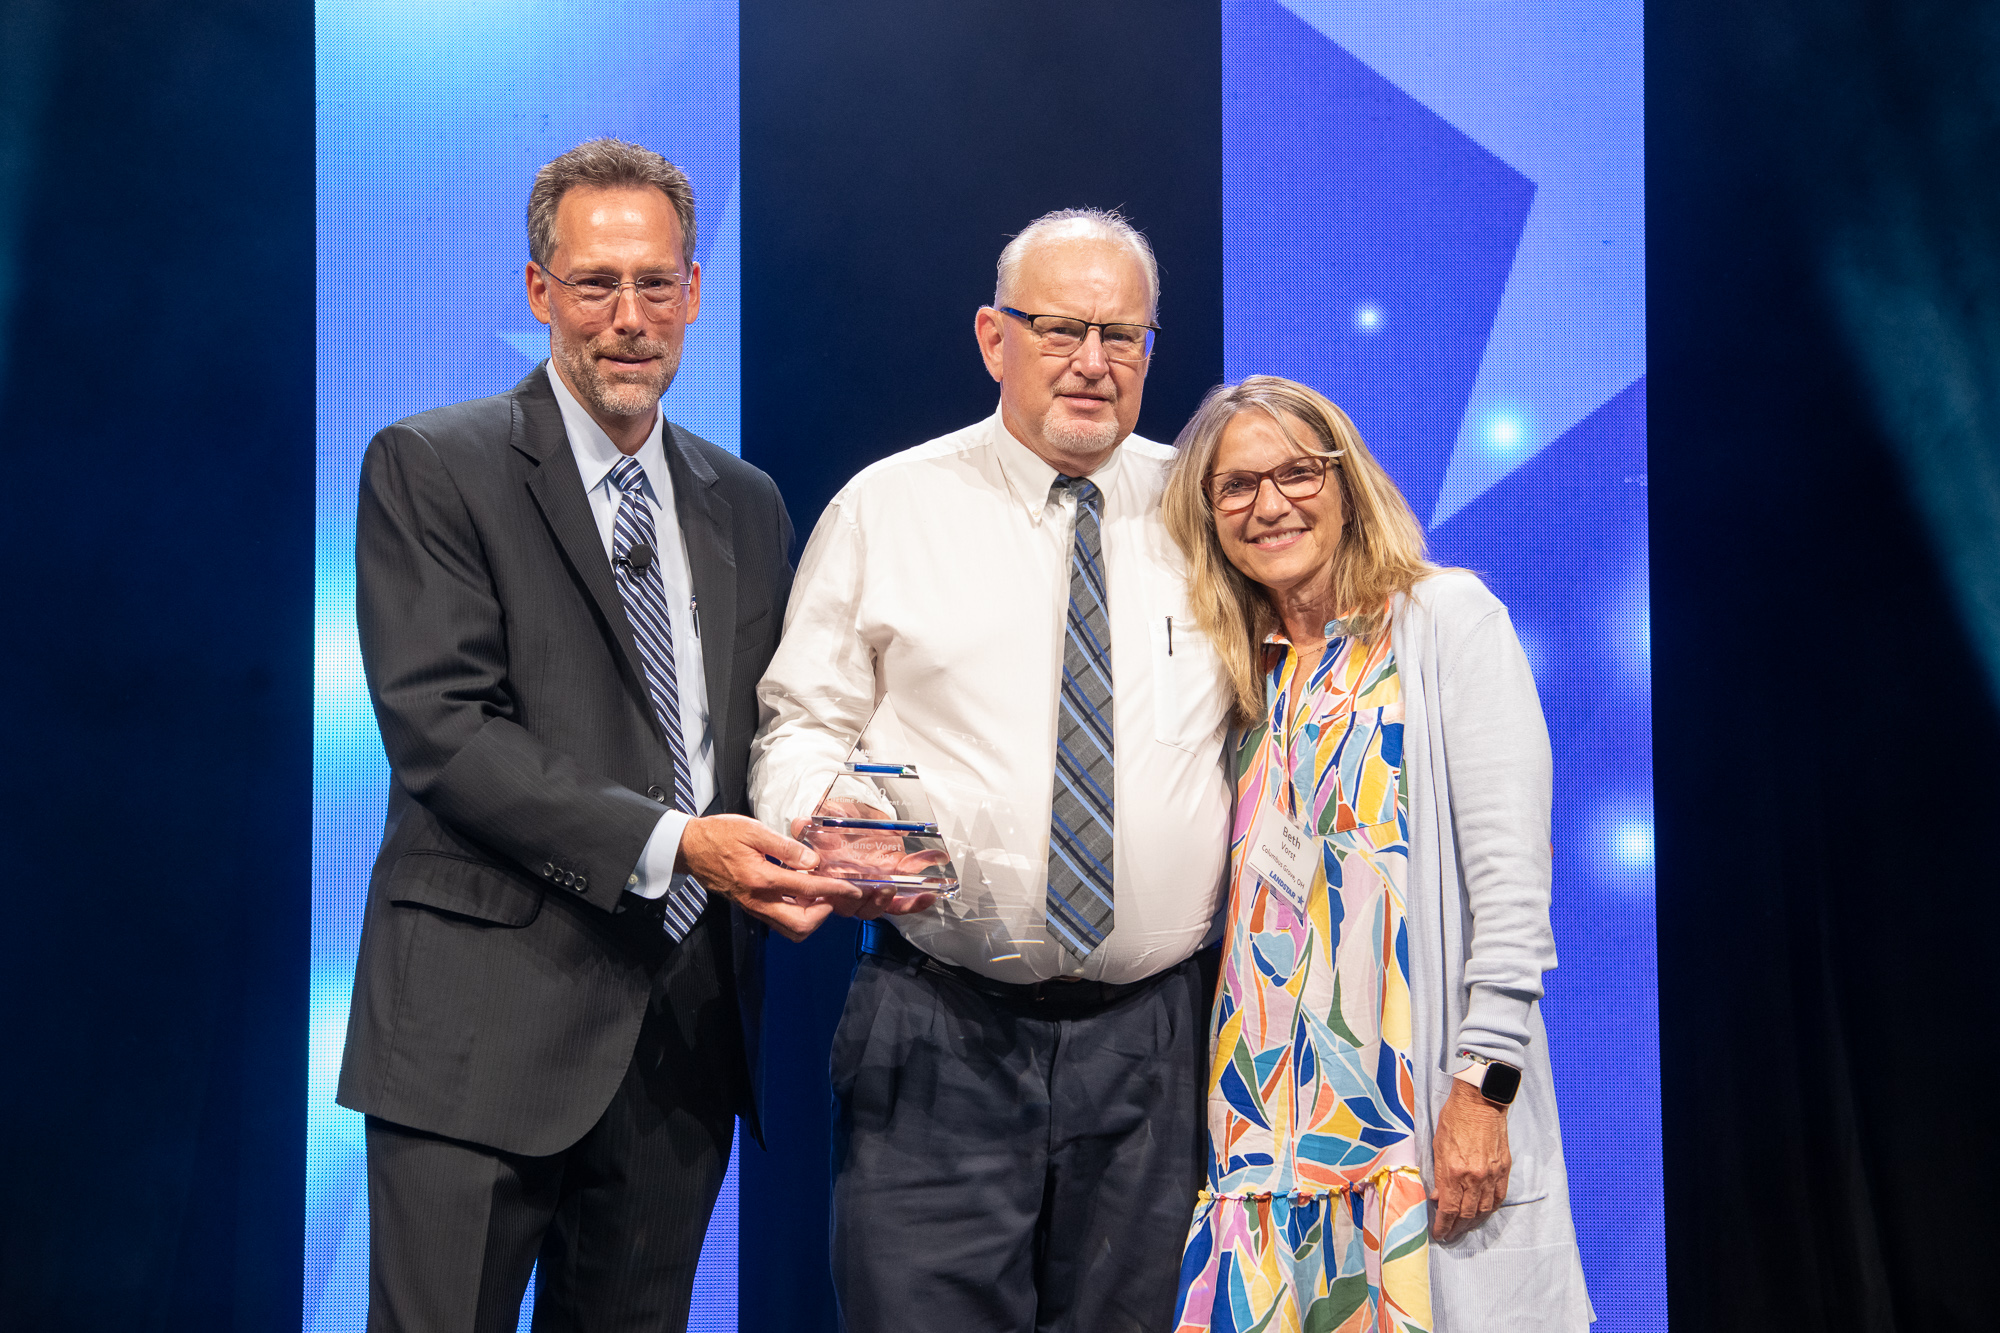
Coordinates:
[1029,477]
[595,454]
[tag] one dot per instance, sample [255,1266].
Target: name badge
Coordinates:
[1284,854]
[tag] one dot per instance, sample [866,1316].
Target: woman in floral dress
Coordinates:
[1384,1147]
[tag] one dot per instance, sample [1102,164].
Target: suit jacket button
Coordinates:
[548,870]
[582,883]
[657,794]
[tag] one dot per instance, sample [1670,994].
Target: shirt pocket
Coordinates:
[1190,693]
[1366,759]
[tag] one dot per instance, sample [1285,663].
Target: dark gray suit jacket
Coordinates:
[502,976]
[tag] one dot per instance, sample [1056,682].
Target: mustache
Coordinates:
[1088,389]
[626,349]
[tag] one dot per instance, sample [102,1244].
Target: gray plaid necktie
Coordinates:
[1079,895]
[644,593]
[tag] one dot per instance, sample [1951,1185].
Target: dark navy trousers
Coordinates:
[999,1172]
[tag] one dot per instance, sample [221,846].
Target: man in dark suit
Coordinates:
[565,603]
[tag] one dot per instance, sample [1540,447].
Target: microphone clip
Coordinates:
[635,560]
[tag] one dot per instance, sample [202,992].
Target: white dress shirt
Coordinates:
[595,456]
[939,578]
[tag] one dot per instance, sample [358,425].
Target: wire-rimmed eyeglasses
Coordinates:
[597,292]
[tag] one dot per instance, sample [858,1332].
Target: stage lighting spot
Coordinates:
[337,655]
[1368,317]
[1503,433]
[1632,845]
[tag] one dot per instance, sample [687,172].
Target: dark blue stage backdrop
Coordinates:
[1433,212]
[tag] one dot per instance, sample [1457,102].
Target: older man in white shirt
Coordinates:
[1019,1069]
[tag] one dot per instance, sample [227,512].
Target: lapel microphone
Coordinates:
[636,559]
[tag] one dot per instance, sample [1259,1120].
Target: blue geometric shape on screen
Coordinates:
[1562,541]
[1556,90]
[1366,241]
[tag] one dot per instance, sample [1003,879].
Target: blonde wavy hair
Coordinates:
[1381,548]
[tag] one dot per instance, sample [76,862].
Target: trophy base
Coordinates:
[904,856]
[905,885]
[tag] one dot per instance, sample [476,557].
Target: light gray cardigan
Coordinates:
[1476,753]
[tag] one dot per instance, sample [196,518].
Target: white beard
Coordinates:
[1078,439]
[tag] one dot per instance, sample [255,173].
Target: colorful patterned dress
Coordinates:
[1315,1215]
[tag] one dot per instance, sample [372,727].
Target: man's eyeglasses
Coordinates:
[1059,335]
[1296,479]
[598,292]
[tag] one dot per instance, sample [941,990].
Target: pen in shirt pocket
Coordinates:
[694,609]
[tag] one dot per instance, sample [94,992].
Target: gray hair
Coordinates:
[605,164]
[1078,224]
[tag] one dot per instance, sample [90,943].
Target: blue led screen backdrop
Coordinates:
[1434,214]
[432,118]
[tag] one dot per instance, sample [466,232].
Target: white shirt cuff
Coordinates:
[654,874]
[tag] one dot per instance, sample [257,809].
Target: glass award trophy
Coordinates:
[874,827]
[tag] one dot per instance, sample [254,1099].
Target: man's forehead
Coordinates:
[620,198]
[623,213]
[1072,256]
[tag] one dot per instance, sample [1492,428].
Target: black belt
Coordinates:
[1064,997]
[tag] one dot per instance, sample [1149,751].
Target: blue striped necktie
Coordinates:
[644,593]
[1079,895]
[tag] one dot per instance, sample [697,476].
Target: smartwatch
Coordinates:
[1496,1082]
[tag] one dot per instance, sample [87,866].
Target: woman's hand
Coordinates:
[1470,1162]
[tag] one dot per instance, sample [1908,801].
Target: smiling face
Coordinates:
[1071,410]
[1285,545]
[617,361]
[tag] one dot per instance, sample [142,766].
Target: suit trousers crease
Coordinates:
[998,1172]
[616,1221]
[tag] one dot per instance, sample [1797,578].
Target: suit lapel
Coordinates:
[706,524]
[558,489]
